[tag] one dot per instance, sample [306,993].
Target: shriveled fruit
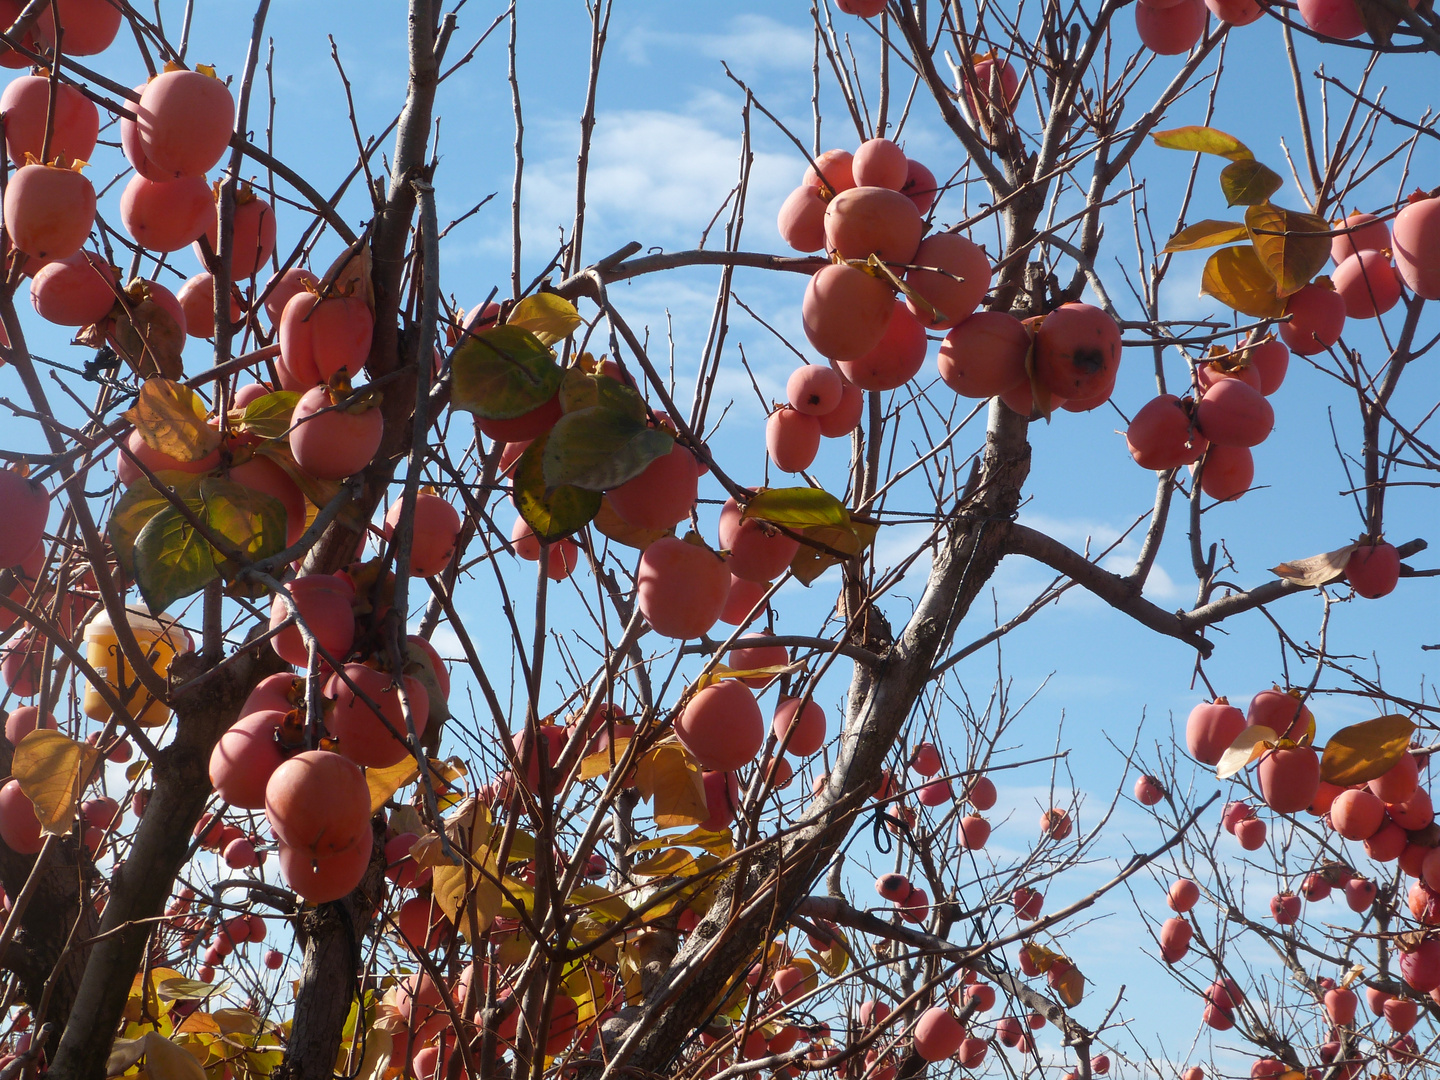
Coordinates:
[1077,351]
[325,603]
[49,211]
[1163,436]
[245,757]
[435,530]
[681,587]
[1417,247]
[166,215]
[758,552]
[845,311]
[368,738]
[895,359]
[1368,284]
[984,355]
[954,287]
[865,221]
[1289,778]
[722,726]
[1211,728]
[25,105]
[1173,30]
[333,443]
[792,439]
[1373,570]
[318,803]
[185,120]
[1317,318]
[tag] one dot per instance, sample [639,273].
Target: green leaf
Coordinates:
[1290,260]
[1247,182]
[138,505]
[551,512]
[549,317]
[1236,278]
[1207,233]
[1361,752]
[171,560]
[582,389]
[1203,140]
[598,449]
[502,373]
[269,417]
[797,508]
[253,521]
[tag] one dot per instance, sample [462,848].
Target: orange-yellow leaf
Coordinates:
[1364,751]
[1236,277]
[53,771]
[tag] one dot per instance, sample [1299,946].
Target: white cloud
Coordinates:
[751,43]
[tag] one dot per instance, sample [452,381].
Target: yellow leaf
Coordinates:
[1071,986]
[717,843]
[181,989]
[124,1053]
[170,417]
[385,782]
[378,1047]
[668,775]
[1317,569]
[53,771]
[1203,140]
[1248,745]
[1292,247]
[1236,277]
[1206,234]
[600,764]
[166,1061]
[834,958]
[549,317]
[469,899]
[721,672]
[198,1023]
[668,863]
[615,527]
[1364,751]
[600,901]
[1041,957]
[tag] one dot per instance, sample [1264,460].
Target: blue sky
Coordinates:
[665,157]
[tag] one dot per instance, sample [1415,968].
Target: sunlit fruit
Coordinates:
[1055,823]
[984,355]
[1077,351]
[814,389]
[899,354]
[1271,358]
[319,338]
[320,879]
[1289,778]
[1251,834]
[435,530]
[185,120]
[1163,436]
[1148,791]
[1417,246]
[1233,414]
[801,220]
[1365,232]
[244,759]
[279,292]
[880,163]
[1183,895]
[744,596]
[1211,728]
[1175,934]
[1357,814]
[805,726]
[253,236]
[325,604]
[87,26]
[1173,30]
[262,474]
[972,832]
[1317,317]
[1368,284]
[27,509]
[25,105]
[49,210]
[333,443]
[1333,18]
[938,1034]
[1283,712]
[1228,472]
[1235,12]
[197,300]
[166,215]
[681,588]
[835,171]
[792,439]
[1373,570]
[994,80]
[920,186]
[525,426]
[747,657]
[368,738]
[843,419]
[722,799]
[1027,903]
[563,557]
[954,287]
[865,221]
[318,803]
[76,291]
[925,759]
[721,726]
[24,720]
[758,552]
[845,311]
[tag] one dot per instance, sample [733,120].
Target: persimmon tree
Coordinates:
[257,824]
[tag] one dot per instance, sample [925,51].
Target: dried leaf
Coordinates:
[469,900]
[350,276]
[182,989]
[1203,140]
[385,782]
[1292,247]
[1364,751]
[1236,277]
[147,337]
[717,843]
[198,1023]
[1071,986]
[600,763]
[124,1053]
[1317,569]
[1206,234]
[170,417]
[549,317]
[53,770]
[1249,745]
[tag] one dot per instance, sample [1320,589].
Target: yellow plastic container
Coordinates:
[160,640]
